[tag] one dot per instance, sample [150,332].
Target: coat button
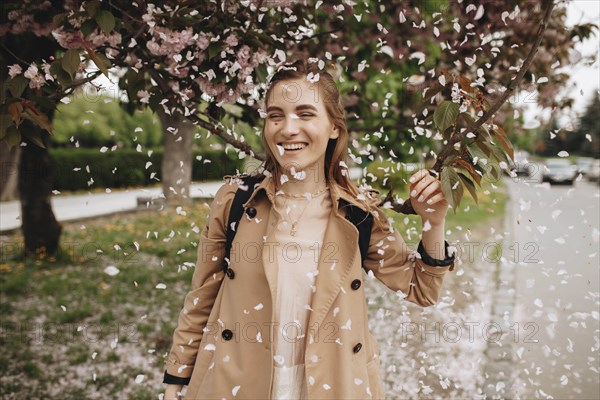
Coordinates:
[355,284]
[227,334]
[356,348]
[251,212]
[230,273]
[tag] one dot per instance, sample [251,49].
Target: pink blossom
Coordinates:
[31,71]
[243,55]
[47,75]
[36,80]
[99,38]
[202,42]
[231,40]
[70,40]
[144,96]
[14,70]
[167,42]
[25,22]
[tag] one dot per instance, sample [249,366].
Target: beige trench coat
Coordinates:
[224,333]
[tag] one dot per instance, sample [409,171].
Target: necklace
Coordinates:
[307,197]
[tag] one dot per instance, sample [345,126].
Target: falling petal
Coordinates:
[111,270]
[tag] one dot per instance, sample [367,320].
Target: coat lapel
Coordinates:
[339,249]
[335,263]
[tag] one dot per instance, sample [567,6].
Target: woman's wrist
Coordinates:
[433,239]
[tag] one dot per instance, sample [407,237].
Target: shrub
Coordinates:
[82,169]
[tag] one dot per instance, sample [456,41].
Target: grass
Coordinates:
[71,329]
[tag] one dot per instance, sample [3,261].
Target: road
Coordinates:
[556,324]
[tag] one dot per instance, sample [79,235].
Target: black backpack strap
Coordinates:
[363,221]
[236,211]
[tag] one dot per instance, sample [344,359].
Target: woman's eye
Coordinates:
[306,115]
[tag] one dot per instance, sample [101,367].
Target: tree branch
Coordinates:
[406,207]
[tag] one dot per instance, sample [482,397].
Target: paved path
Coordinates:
[74,207]
[551,292]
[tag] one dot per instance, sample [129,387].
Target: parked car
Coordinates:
[593,173]
[559,170]
[520,165]
[583,165]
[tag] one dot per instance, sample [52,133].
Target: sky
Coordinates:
[585,78]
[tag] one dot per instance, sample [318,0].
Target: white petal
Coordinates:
[111,270]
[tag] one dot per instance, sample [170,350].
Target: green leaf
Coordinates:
[469,185]
[498,154]
[38,118]
[16,86]
[213,49]
[445,115]
[101,61]
[88,27]
[451,186]
[58,20]
[500,135]
[475,151]
[70,62]
[106,21]
[485,147]
[262,73]
[92,7]
[13,136]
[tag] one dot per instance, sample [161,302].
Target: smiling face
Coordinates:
[298,128]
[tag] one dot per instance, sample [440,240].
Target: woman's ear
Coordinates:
[335,132]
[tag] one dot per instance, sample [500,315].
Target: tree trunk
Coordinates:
[9,172]
[178,138]
[41,230]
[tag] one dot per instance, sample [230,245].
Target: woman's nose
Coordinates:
[291,125]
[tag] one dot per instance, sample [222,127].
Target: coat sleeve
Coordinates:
[400,269]
[206,281]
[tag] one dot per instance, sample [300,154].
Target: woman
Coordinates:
[290,320]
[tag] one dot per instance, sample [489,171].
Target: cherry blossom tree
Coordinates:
[431,75]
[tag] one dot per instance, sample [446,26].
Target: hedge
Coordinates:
[82,169]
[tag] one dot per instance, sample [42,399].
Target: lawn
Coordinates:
[73,329]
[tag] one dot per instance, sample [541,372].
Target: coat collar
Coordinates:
[339,196]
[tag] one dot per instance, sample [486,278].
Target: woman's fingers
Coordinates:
[437,197]
[430,190]
[422,185]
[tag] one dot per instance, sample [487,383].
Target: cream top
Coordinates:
[297,259]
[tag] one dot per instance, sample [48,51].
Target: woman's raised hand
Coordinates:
[427,198]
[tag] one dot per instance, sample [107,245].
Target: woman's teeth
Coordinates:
[294,146]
